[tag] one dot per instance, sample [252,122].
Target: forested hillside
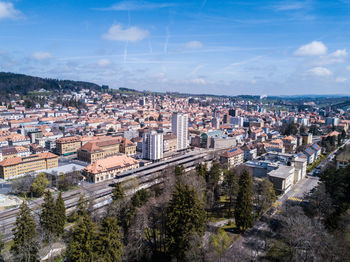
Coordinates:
[11,83]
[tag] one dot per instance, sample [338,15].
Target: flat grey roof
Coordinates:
[282,172]
[64,169]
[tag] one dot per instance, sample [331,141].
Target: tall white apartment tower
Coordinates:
[179,126]
[152,145]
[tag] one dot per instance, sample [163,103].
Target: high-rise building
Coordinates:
[237,121]
[233,112]
[332,121]
[152,145]
[142,101]
[215,122]
[179,126]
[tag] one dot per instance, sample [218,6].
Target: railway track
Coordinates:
[100,193]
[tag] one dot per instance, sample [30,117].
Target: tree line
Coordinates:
[318,229]
[163,223]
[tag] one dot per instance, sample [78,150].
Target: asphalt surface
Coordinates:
[253,242]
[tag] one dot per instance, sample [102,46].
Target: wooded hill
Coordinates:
[11,83]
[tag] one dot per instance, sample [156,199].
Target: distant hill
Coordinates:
[11,83]
[345,104]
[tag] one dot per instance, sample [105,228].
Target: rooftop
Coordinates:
[282,172]
[110,163]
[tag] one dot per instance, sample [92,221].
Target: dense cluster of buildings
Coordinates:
[118,132]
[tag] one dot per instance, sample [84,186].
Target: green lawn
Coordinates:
[221,212]
[229,226]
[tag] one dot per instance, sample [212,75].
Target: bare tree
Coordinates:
[22,185]
[196,182]
[136,248]
[320,203]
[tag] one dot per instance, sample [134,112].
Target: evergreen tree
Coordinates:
[1,247]
[140,197]
[82,206]
[39,185]
[185,216]
[118,192]
[82,245]
[231,187]
[179,170]
[48,215]
[337,184]
[265,195]
[212,179]
[109,246]
[244,204]
[213,175]
[202,170]
[60,213]
[25,247]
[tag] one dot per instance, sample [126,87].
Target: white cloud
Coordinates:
[341,80]
[314,48]
[339,53]
[132,34]
[289,6]
[196,81]
[193,45]
[136,5]
[320,71]
[158,77]
[336,57]
[104,62]
[42,55]
[7,10]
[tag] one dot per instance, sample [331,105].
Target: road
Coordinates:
[101,192]
[299,190]
[253,241]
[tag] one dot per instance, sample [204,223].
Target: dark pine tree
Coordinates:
[48,215]
[185,216]
[230,185]
[60,215]
[25,247]
[118,192]
[244,204]
[109,245]
[179,170]
[82,206]
[82,245]
[202,170]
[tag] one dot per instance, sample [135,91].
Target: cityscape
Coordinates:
[105,161]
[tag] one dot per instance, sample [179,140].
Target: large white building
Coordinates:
[152,145]
[179,126]
[237,121]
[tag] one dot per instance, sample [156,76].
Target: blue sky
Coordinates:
[218,47]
